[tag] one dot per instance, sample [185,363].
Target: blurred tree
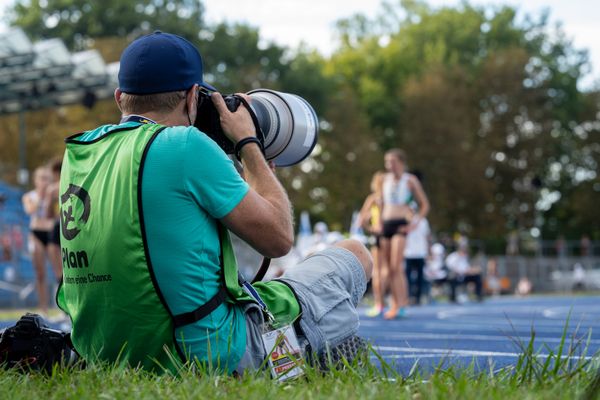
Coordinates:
[573,192]
[484,103]
[79,22]
[334,181]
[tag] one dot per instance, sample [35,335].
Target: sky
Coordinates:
[288,22]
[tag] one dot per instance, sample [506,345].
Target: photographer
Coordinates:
[146,206]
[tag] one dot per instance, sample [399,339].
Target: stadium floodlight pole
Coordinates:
[23,173]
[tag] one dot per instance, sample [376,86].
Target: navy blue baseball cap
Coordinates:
[160,62]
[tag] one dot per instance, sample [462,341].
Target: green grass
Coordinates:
[563,375]
[569,372]
[100,383]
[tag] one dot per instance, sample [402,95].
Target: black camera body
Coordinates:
[208,121]
[31,345]
[286,125]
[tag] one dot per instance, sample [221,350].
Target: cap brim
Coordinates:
[208,87]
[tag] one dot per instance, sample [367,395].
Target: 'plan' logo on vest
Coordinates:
[71,203]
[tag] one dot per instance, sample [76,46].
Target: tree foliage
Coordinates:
[78,22]
[487,104]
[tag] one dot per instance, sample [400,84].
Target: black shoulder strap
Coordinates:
[212,304]
[202,311]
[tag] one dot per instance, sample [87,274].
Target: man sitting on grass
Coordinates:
[146,205]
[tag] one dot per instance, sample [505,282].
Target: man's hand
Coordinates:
[263,218]
[236,125]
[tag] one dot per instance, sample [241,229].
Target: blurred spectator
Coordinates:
[321,238]
[585,245]
[303,239]
[435,268]
[436,272]
[461,272]
[578,277]
[369,218]
[524,287]
[35,205]
[492,280]
[415,252]
[512,244]
[53,212]
[561,246]
[6,254]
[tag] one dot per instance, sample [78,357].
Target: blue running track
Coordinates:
[486,335]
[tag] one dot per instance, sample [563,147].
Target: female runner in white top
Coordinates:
[398,218]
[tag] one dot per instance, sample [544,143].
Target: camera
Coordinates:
[286,124]
[31,345]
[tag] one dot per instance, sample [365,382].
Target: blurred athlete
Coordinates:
[400,189]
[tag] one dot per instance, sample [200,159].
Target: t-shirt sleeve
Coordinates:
[210,176]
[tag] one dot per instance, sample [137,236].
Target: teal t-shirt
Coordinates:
[188,183]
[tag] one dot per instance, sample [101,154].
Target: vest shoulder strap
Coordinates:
[202,311]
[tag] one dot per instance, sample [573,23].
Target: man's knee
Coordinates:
[361,252]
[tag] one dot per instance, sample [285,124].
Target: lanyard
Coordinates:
[249,289]
[136,118]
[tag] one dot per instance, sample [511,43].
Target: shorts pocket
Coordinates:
[325,296]
[339,323]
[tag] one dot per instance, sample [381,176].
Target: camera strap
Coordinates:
[260,274]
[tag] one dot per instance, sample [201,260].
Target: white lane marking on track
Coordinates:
[475,353]
[462,326]
[565,311]
[420,356]
[549,313]
[512,310]
[503,320]
[481,323]
[434,336]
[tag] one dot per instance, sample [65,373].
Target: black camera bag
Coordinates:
[30,345]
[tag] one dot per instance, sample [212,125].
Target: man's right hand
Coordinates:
[236,125]
[263,218]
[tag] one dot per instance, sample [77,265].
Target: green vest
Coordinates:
[109,289]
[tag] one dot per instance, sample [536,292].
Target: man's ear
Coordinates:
[191,101]
[118,94]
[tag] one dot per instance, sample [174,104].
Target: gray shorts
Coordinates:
[328,285]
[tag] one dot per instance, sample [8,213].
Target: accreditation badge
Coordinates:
[284,355]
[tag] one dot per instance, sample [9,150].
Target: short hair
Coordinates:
[158,102]
[399,154]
